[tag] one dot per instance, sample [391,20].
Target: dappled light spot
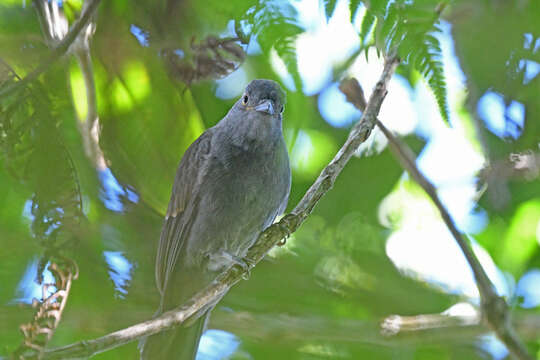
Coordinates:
[324,45]
[120,97]
[530,68]
[528,289]
[429,253]
[119,271]
[50,221]
[28,289]
[335,109]
[397,112]
[494,346]
[140,34]
[451,163]
[217,345]
[132,87]
[137,81]
[78,91]
[520,242]
[501,120]
[421,245]
[113,194]
[515,118]
[311,152]
[406,204]
[27,210]
[232,86]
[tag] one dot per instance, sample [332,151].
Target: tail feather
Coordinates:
[180,343]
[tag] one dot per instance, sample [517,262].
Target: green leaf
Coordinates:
[329,8]
[287,52]
[519,242]
[353,8]
[366,27]
[278,31]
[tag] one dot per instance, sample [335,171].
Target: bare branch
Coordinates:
[494,308]
[287,329]
[89,126]
[266,241]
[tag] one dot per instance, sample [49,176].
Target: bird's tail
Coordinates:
[180,343]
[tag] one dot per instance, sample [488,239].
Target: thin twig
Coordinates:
[392,331]
[494,308]
[266,241]
[58,51]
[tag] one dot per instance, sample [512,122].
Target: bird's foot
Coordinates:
[285,226]
[222,259]
[246,266]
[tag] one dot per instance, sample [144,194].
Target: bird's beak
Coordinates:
[266,107]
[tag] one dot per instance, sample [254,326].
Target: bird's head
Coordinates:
[255,119]
[262,97]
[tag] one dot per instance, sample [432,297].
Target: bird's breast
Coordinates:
[244,192]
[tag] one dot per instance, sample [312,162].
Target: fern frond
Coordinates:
[434,74]
[29,139]
[329,8]
[353,8]
[408,28]
[366,27]
[277,29]
[286,50]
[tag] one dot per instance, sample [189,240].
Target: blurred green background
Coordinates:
[153,75]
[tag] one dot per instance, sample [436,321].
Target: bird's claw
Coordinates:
[224,259]
[285,227]
[245,265]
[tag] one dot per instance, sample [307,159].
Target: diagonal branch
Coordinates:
[494,308]
[266,241]
[58,51]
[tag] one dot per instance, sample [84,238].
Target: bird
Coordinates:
[232,182]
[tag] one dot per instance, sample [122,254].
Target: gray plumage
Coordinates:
[231,184]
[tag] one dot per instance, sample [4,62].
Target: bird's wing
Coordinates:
[182,205]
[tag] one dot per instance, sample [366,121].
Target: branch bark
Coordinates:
[495,310]
[266,241]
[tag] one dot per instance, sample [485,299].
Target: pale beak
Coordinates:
[266,107]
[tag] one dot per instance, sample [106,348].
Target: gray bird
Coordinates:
[230,185]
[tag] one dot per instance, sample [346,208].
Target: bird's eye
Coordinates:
[245,100]
[281,110]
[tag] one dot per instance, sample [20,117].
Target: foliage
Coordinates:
[30,138]
[408,28]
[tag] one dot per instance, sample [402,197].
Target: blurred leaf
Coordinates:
[353,8]
[311,153]
[329,8]
[520,242]
[494,42]
[33,150]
